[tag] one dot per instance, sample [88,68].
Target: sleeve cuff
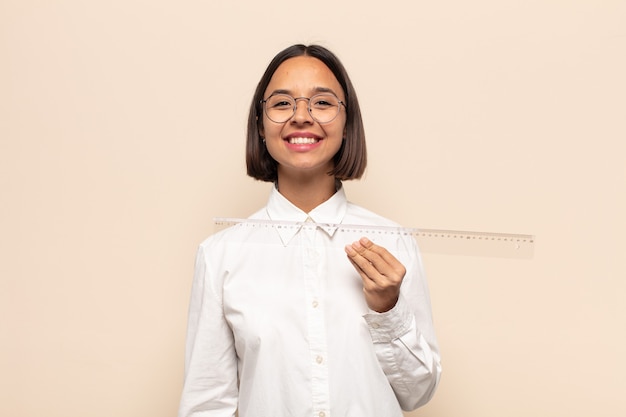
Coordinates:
[390,325]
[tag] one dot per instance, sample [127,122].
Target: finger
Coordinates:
[364,276]
[362,264]
[384,263]
[383,254]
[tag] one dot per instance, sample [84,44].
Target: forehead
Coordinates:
[303,75]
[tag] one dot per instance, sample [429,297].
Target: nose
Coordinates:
[301,113]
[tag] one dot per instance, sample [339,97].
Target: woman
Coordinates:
[307,320]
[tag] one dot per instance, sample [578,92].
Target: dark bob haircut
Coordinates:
[350,160]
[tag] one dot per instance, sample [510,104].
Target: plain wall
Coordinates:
[122,136]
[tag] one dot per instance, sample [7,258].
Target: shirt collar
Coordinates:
[327,215]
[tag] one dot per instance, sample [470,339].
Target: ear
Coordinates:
[260,128]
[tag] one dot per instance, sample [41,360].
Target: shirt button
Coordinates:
[322,414]
[375,325]
[314,304]
[319,359]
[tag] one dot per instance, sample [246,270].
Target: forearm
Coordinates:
[410,362]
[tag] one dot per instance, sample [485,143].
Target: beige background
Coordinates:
[122,134]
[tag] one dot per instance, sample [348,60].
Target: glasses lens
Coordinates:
[279,108]
[324,107]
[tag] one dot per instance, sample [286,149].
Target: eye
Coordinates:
[324,101]
[279,102]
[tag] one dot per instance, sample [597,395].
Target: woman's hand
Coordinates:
[380,271]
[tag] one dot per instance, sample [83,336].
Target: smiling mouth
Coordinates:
[302,141]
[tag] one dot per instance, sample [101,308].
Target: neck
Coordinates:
[306,193]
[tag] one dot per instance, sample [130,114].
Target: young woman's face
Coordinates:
[301,144]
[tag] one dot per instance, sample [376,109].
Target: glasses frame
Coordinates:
[308,106]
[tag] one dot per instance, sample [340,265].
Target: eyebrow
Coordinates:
[316,90]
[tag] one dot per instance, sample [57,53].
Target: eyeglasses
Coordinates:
[323,108]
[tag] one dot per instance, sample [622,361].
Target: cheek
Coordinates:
[338,130]
[270,130]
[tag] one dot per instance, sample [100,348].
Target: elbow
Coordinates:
[422,390]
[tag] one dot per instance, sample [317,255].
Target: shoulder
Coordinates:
[356,214]
[386,232]
[233,234]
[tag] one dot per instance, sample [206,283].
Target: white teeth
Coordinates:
[302,141]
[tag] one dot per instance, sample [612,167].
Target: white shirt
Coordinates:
[279,327]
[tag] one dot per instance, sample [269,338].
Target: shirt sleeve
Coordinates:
[404,341]
[210,384]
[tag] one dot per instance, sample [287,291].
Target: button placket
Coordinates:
[312,255]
